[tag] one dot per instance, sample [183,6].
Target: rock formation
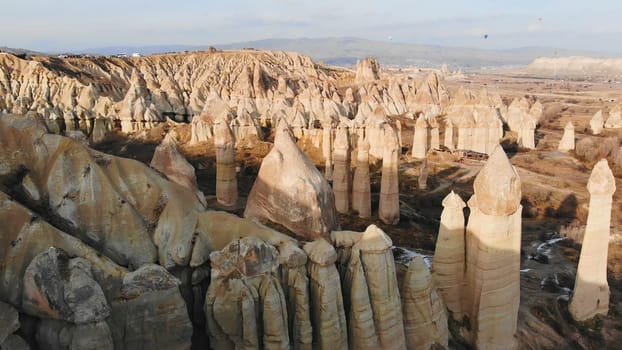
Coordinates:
[341,175]
[389,205]
[449,135]
[327,150]
[361,192]
[615,119]
[420,139]
[289,190]
[597,122]
[167,160]
[245,305]
[425,319]
[567,141]
[526,133]
[367,70]
[435,142]
[328,317]
[591,290]
[226,175]
[449,259]
[493,242]
[373,306]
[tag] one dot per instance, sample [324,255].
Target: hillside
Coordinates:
[346,51]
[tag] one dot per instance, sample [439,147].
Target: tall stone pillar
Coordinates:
[226,177]
[591,290]
[341,174]
[493,241]
[389,207]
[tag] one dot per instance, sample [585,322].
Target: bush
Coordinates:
[592,149]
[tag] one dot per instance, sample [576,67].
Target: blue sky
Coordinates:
[57,25]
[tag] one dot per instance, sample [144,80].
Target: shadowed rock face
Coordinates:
[591,291]
[290,191]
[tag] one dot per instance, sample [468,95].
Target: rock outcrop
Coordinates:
[591,290]
[290,191]
[389,205]
[367,70]
[420,138]
[226,175]
[567,141]
[449,257]
[245,305]
[169,161]
[328,317]
[615,118]
[361,191]
[493,240]
[597,123]
[373,306]
[425,318]
[341,175]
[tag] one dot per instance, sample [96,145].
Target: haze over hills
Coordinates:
[345,51]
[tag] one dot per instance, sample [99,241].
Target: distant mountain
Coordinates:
[19,51]
[346,51]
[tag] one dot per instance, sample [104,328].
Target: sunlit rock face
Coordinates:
[289,190]
[591,290]
[567,141]
[493,240]
[389,206]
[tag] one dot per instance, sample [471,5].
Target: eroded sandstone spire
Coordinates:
[425,318]
[591,290]
[449,258]
[389,206]
[361,193]
[493,240]
[420,139]
[226,175]
[597,122]
[341,174]
[567,141]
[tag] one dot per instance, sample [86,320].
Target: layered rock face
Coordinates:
[425,318]
[420,140]
[367,70]
[449,257]
[493,240]
[290,191]
[168,160]
[226,175]
[591,290]
[373,304]
[389,205]
[361,192]
[341,176]
[245,305]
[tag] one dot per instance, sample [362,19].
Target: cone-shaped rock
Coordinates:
[493,240]
[420,138]
[167,160]
[290,191]
[591,290]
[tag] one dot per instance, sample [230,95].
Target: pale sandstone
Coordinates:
[591,290]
